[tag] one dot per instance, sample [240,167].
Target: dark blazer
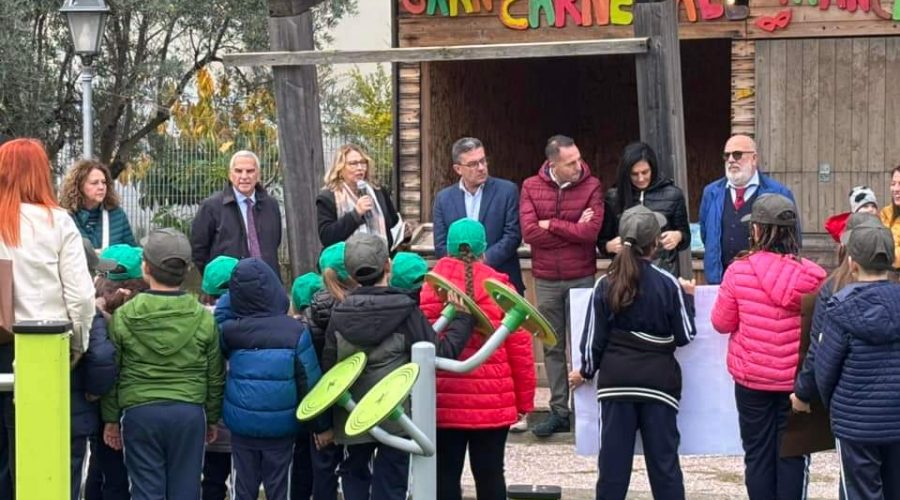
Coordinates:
[218,228]
[334,229]
[499,212]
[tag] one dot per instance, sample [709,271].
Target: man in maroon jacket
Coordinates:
[561,211]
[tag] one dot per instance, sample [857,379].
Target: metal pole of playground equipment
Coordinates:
[424,481]
[41,389]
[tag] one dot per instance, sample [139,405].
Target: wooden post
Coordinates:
[659,95]
[299,133]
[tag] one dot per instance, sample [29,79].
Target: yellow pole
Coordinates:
[41,395]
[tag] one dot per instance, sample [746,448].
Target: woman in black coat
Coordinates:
[639,183]
[350,203]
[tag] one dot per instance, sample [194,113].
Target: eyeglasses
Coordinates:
[736,154]
[475,163]
[358,163]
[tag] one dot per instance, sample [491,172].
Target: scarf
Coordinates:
[374,223]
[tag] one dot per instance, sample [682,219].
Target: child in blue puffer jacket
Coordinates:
[271,365]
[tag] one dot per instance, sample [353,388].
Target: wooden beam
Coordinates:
[458,53]
[299,139]
[660,105]
[288,8]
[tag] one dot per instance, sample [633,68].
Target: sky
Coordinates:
[369,29]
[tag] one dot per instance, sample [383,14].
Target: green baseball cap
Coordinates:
[408,270]
[303,289]
[217,274]
[128,262]
[466,232]
[333,258]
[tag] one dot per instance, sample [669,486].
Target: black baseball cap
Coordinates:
[365,256]
[163,245]
[641,225]
[872,247]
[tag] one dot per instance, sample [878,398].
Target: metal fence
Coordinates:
[165,184]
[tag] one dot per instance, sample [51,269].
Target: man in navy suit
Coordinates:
[491,201]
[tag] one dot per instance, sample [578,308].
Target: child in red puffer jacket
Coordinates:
[475,410]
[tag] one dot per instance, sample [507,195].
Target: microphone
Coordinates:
[362,189]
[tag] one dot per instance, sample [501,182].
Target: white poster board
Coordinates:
[707,418]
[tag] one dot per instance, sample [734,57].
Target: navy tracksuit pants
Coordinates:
[620,421]
[264,462]
[762,416]
[869,471]
[164,444]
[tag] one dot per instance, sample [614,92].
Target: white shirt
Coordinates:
[472,201]
[751,187]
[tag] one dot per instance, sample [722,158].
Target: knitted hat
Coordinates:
[128,262]
[333,258]
[466,232]
[217,274]
[861,196]
[304,287]
[408,270]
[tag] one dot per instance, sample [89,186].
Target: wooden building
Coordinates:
[815,82]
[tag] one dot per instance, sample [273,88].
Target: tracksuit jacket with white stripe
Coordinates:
[632,353]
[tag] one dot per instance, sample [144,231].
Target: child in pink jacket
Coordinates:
[759,306]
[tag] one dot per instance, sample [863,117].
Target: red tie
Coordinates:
[739,198]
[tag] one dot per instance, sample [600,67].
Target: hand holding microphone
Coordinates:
[364,202]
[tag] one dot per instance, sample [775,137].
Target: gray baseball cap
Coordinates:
[365,256]
[772,209]
[95,263]
[165,244]
[641,225]
[872,247]
[859,219]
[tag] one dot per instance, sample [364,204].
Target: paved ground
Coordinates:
[554,462]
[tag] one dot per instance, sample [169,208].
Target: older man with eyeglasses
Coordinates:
[726,200]
[478,196]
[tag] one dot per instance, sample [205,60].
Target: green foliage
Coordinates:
[152,50]
[363,111]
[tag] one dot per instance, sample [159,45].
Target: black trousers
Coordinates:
[374,471]
[620,421]
[107,478]
[487,448]
[762,416]
[216,469]
[315,472]
[869,471]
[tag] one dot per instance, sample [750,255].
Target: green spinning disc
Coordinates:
[334,384]
[442,286]
[383,400]
[519,313]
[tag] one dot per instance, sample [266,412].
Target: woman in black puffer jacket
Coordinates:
[639,183]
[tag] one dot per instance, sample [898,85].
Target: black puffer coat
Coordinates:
[662,196]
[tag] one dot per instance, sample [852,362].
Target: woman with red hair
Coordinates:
[50,271]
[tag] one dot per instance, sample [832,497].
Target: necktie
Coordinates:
[252,237]
[739,197]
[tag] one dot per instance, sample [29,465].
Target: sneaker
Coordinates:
[554,423]
[520,426]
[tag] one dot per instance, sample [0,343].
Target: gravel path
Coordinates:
[706,477]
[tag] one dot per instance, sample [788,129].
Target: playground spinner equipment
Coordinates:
[385,400]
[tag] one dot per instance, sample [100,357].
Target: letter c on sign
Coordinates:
[415,6]
[516,23]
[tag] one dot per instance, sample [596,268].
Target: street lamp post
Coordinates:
[86,20]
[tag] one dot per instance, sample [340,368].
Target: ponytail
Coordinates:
[624,275]
[335,286]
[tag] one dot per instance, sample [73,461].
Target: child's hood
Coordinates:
[256,291]
[867,311]
[163,323]
[784,279]
[368,315]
